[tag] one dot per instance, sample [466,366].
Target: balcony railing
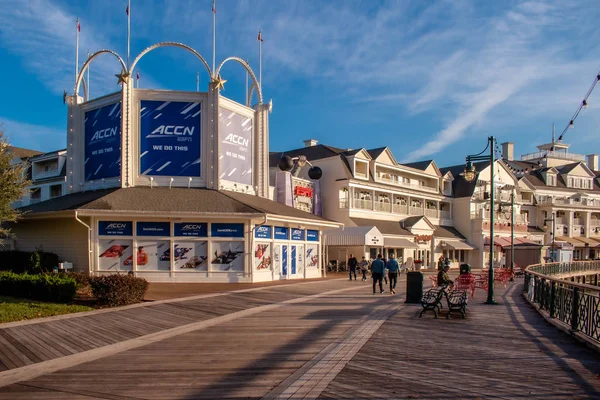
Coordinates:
[398,182]
[578,221]
[560,221]
[382,206]
[445,215]
[363,204]
[594,222]
[400,209]
[45,174]
[416,211]
[485,214]
[553,154]
[431,213]
[569,202]
[344,203]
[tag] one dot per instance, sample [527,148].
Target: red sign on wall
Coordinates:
[303,191]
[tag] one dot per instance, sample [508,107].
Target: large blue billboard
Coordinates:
[102,148]
[169,138]
[235,136]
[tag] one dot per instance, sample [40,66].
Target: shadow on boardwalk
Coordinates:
[505,351]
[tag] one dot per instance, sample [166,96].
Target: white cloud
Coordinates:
[35,137]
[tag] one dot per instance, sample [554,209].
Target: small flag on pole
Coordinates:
[137,75]
[64,97]
[214,7]
[127,10]
[260,39]
[78,26]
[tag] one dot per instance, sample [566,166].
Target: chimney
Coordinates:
[310,143]
[508,149]
[592,162]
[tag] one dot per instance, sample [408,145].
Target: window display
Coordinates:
[312,256]
[227,256]
[191,256]
[114,254]
[262,257]
[153,255]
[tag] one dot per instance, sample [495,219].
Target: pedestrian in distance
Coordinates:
[364,267]
[385,277]
[377,271]
[393,270]
[443,279]
[352,263]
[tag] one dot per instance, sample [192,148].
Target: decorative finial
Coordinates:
[123,77]
[219,82]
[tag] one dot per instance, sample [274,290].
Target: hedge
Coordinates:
[27,261]
[44,287]
[118,290]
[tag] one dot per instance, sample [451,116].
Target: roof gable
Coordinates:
[383,155]
[577,169]
[358,153]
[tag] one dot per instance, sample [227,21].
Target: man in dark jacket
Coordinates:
[352,263]
[377,271]
[443,279]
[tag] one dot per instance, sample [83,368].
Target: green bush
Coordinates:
[44,287]
[118,290]
[27,261]
[82,278]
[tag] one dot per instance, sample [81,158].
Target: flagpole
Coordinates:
[197,81]
[88,77]
[77,28]
[260,58]
[246,98]
[214,11]
[128,30]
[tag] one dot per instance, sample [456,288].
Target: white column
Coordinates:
[587,225]
[261,145]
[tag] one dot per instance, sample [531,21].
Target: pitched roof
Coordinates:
[22,152]
[385,227]
[165,200]
[311,153]
[374,153]
[460,186]
[447,232]
[411,221]
[422,165]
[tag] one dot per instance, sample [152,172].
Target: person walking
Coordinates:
[377,270]
[352,263]
[364,267]
[393,268]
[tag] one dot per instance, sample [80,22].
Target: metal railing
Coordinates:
[400,209]
[382,206]
[553,154]
[575,305]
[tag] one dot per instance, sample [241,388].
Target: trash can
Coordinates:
[465,269]
[414,287]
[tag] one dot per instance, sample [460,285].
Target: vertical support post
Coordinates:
[543,293]
[575,310]
[512,235]
[596,280]
[490,298]
[552,299]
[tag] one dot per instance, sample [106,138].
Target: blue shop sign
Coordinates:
[196,229]
[297,234]
[312,235]
[226,230]
[263,232]
[281,233]
[115,228]
[153,228]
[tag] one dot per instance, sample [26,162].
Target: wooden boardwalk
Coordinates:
[327,339]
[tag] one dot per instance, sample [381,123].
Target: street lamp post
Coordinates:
[512,231]
[553,219]
[469,175]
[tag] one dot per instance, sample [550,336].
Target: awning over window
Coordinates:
[503,241]
[399,242]
[456,244]
[590,242]
[353,236]
[572,241]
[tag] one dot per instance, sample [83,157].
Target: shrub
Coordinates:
[27,261]
[82,278]
[118,290]
[44,287]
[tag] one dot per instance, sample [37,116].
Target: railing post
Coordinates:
[526,283]
[543,294]
[536,289]
[596,280]
[575,310]
[552,299]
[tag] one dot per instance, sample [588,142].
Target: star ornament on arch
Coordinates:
[219,82]
[123,77]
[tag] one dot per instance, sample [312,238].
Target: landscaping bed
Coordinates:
[16,309]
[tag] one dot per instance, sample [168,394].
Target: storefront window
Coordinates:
[115,255]
[191,256]
[312,256]
[153,255]
[228,256]
[262,257]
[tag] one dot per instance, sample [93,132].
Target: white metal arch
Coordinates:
[170,44]
[250,94]
[245,65]
[89,60]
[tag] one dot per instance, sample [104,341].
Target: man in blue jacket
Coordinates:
[393,268]
[377,270]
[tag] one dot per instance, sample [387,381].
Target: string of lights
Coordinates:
[582,105]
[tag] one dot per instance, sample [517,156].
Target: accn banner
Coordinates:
[102,149]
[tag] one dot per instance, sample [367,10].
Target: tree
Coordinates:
[13,182]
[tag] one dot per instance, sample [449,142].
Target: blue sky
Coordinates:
[428,79]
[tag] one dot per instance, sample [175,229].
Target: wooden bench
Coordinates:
[457,301]
[432,300]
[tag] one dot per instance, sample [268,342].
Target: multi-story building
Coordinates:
[48,175]
[559,185]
